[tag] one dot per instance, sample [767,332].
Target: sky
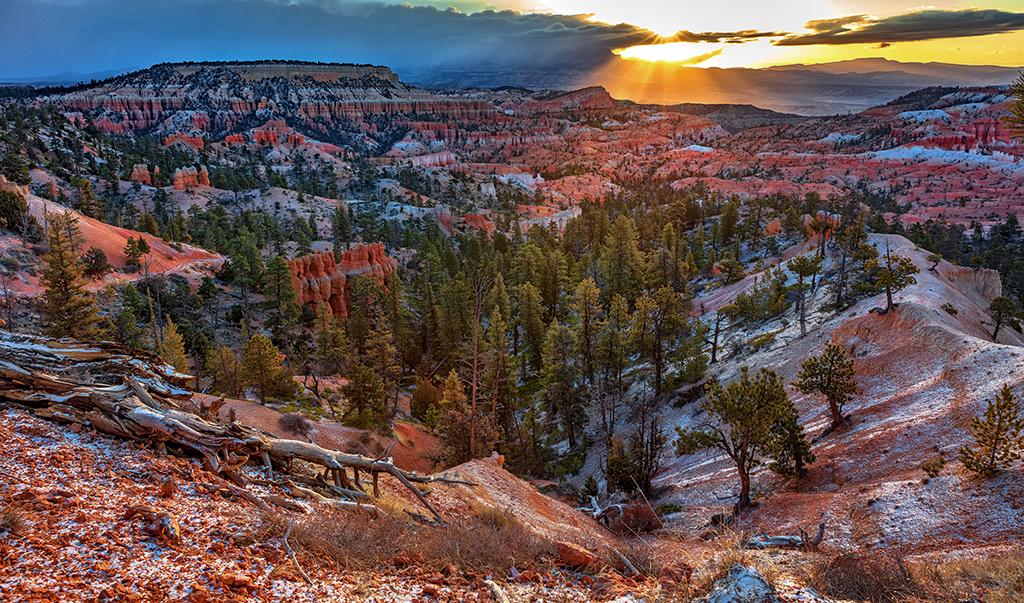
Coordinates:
[45,37]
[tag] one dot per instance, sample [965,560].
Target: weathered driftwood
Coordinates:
[800,541]
[137,397]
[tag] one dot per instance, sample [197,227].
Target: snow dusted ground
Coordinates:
[923,374]
[72,491]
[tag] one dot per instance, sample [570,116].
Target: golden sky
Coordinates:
[666,17]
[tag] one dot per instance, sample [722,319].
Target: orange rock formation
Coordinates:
[319,279]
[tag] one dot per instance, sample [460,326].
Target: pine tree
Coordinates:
[498,298]
[831,375]
[587,313]
[330,344]
[282,309]
[69,310]
[425,396]
[741,418]
[225,372]
[1017,105]
[803,266]
[1003,310]
[87,203]
[367,398]
[382,358]
[498,376]
[613,354]
[622,262]
[560,378]
[262,369]
[134,249]
[531,321]
[998,436]
[788,446]
[657,324]
[890,273]
[172,348]
[13,210]
[341,230]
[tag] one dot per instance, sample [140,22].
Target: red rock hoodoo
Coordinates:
[140,174]
[319,279]
[190,177]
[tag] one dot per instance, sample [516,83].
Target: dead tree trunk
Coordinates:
[136,396]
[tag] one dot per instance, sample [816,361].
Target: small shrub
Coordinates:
[948,307]
[763,340]
[295,423]
[933,466]
[669,508]
[95,263]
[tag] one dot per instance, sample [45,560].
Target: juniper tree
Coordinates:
[69,310]
[998,435]
[935,259]
[740,422]
[831,375]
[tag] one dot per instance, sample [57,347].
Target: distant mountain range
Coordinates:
[807,90]
[822,89]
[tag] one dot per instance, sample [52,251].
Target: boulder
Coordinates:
[574,556]
[741,585]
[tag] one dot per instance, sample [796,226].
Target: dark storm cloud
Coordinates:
[727,37]
[40,37]
[911,27]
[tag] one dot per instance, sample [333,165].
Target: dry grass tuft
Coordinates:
[12,522]
[993,580]
[879,577]
[363,541]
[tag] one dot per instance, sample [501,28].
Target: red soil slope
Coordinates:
[164,258]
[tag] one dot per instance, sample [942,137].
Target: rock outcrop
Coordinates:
[190,177]
[140,173]
[319,279]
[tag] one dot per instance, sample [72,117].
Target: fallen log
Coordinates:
[799,541]
[137,397]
